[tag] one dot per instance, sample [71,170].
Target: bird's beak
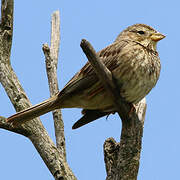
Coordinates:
[157,36]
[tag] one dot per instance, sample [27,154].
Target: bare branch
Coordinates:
[6,27]
[9,127]
[51,55]
[122,160]
[34,130]
[55,36]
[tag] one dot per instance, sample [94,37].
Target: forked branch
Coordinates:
[34,130]
[122,159]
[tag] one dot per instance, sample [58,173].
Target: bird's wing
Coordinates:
[86,77]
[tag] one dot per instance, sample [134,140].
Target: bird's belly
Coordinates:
[135,91]
[98,98]
[132,88]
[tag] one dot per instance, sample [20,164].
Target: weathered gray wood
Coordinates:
[51,55]
[34,130]
[121,159]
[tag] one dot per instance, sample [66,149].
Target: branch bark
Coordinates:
[33,130]
[122,160]
[51,55]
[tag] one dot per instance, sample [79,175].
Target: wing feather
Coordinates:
[86,77]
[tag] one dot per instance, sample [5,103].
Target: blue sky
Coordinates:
[99,22]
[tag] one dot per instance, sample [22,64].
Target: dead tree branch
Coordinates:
[51,55]
[122,160]
[34,130]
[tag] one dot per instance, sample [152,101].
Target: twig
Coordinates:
[9,127]
[51,55]
[122,160]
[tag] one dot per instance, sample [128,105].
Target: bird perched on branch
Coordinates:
[134,62]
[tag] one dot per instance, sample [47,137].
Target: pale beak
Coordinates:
[157,36]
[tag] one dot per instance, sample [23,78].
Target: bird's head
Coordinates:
[142,34]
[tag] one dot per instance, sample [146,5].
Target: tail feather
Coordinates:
[33,112]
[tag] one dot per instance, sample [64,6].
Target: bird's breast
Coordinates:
[138,73]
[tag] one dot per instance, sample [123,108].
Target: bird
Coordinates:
[135,64]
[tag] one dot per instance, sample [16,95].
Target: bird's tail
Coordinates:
[33,112]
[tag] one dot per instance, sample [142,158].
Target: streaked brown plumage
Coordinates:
[134,62]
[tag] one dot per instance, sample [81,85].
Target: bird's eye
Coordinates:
[141,32]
